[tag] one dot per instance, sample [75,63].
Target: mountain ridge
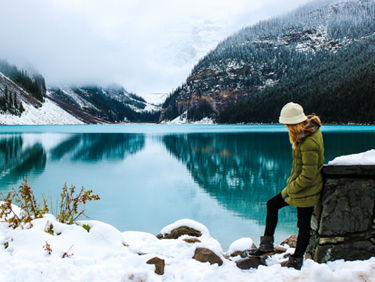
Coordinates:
[241,72]
[112,104]
[23,95]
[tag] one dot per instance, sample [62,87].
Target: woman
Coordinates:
[304,185]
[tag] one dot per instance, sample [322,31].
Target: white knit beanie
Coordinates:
[292,113]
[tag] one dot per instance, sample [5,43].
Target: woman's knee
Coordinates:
[276,203]
[271,204]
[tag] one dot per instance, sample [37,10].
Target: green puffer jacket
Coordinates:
[305,184]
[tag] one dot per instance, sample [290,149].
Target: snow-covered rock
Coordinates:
[186,222]
[240,245]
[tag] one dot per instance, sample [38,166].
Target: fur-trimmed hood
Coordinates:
[312,125]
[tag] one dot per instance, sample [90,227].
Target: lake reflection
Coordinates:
[16,161]
[241,171]
[26,154]
[94,147]
[154,175]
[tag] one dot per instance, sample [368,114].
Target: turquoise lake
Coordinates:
[149,176]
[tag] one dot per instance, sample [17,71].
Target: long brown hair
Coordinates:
[298,132]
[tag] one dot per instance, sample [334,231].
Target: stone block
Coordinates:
[316,217]
[355,250]
[343,224]
[347,206]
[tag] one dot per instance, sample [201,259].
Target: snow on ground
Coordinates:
[365,158]
[104,253]
[49,113]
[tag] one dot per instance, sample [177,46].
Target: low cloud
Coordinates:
[147,46]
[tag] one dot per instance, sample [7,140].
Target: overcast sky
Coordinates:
[147,46]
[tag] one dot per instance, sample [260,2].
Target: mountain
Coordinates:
[18,106]
[95,104]
[320,55]
[17,88]
[25,99]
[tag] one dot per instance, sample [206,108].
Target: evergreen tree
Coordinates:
[22,78]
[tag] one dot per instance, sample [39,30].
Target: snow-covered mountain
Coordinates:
[312,55]
[112,104]
[14,96]
[320,55]
[25,99]
[24,108]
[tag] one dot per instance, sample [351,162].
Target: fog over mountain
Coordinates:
[146,46]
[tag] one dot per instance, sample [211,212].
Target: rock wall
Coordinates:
[344,222]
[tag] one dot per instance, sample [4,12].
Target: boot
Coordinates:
[265,248]
[295,262]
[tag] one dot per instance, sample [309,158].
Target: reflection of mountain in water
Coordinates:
[16,162]
[241,171]
[99,146]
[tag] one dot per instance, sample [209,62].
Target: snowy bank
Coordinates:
[71,253]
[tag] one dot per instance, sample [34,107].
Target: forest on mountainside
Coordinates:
[34,84]
[337,92]
[112,104]
[320,55]
[9,103]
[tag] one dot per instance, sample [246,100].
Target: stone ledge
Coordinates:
[347,206]
[349,171]
[343,223]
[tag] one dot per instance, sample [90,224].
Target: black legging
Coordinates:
[303,223]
